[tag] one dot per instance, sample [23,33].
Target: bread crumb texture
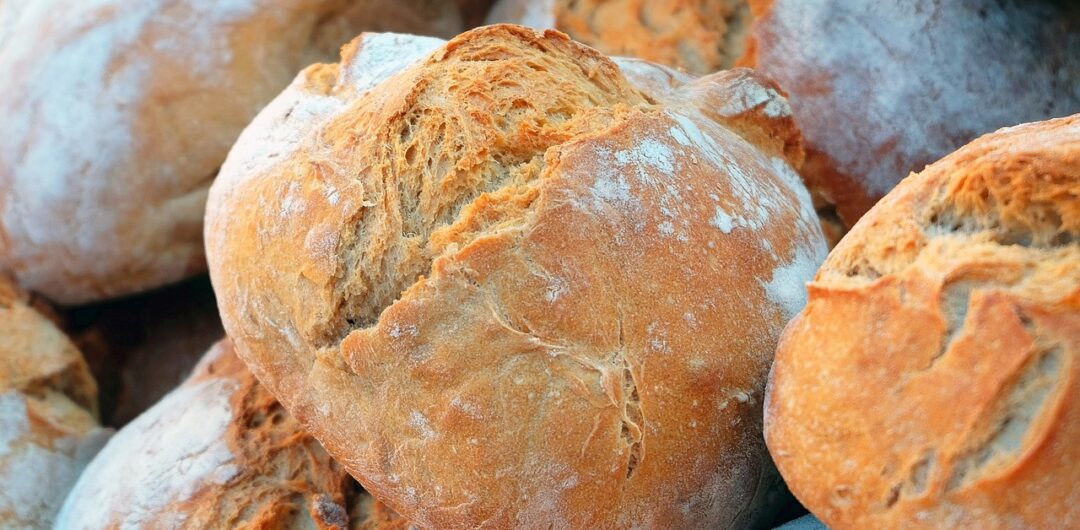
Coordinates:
[217,452]
[508,287]
[951,315]
[696,36]
[48,428]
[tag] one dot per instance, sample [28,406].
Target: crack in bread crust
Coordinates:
[458,157]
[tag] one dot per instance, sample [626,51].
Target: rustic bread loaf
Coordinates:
[883,88]
[698,36]
[933,380]
[218,452]
[48,431]
[506,287]
[117,115]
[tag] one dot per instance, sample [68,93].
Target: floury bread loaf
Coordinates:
[881,89]
[117,115]
[933,380]
[509,286]
[48,429]
[218,452]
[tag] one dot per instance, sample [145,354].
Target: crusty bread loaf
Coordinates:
[933,380]
[218,452]
[48,431]
[505,287]
[883,88]
[117,115]
[698,36]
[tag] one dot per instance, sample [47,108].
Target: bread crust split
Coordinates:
[505,286]
[933,379]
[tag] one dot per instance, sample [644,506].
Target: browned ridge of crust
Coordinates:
[951,314]
[500,287]
[696,36]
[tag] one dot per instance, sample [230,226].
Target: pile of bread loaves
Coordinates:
[658,264]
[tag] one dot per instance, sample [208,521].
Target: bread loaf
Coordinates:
[117,116]
[933,380]
[883,88]
[698,36]
[48,429]
[218,452]
[506,287]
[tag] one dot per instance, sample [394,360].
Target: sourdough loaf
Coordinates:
[933,380]
[48,429]
[507,287]
[117,115]
[218,452]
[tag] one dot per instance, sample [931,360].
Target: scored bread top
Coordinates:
[505,286]
[951,315]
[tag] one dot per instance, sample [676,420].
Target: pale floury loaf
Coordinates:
[48,425]
[933,380]
[117,115]
[218,452]
[508,285]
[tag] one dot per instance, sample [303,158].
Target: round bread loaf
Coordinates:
[883,88]
[933,380]
[698,36]
[218,452]
[117,115]
[48,430]
[506,287]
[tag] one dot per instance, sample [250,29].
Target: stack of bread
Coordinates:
[572,273]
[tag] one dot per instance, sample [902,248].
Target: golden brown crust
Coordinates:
[951,315]
[698,36]
[507,288]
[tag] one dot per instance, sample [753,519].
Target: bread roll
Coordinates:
[48,431]
[218,452]
[698,36]
[883,88]
[117,115]
[506,287]
[933,380]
